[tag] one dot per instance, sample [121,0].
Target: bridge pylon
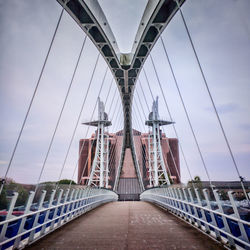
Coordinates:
[99,175]
[157,170]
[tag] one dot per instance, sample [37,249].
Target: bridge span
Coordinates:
[127,225]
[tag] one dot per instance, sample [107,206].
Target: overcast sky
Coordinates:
[221,34]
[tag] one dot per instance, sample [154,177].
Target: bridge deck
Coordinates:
[126,225]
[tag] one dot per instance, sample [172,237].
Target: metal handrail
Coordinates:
[177,202]
[208,210]
[73,205]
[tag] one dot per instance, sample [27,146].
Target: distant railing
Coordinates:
[34,222]
[220,220]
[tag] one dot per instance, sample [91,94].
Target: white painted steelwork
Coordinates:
[38,220]
[99,175]
[157,170]
[209,216]
[124,67]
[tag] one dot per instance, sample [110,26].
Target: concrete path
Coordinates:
[127,225]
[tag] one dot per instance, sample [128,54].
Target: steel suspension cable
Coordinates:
[77,123]
[183,155]
[108,92]
[90,82]
[117,116]
[145,99]
[116,104]
[148,83]
[111,105]
[136,105]
[32,99]
[112,154]
[141,104]
[142,108]
[142,128]
[137,121]
[60,115]
[188,118]
[212,101]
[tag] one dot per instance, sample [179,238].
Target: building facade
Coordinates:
[128,184]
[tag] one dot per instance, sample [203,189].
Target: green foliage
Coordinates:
[67,182]
[196,183]
[3,199]
[162,180]
[22,193]
[8,189]
[223,195]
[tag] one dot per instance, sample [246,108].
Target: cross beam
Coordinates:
[125,67]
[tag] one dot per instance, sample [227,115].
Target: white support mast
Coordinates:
[157,170]
[99,175]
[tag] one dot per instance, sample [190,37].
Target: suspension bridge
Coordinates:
[129,192]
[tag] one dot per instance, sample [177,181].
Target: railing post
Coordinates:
[26,210]
[217,233]
[182,205]
[9,215]
[170,202]
[226,226]
[74,203]
[169,197]
[197,192]
[56,209]
[177,203]
[43,231]
[194,208]
[63,206]
[80,201]
[89,193]
[188,208]
[237,215]
[69,205]
[40,204]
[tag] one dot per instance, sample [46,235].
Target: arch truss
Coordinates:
[125,67]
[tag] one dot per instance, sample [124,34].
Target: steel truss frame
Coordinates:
[157,170]
[99,176]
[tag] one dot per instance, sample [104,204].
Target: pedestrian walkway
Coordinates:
[127,225]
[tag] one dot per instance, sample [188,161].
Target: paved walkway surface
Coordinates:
[126,225]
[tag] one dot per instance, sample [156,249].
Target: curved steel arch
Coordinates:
[125,67]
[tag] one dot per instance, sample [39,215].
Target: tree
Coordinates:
[22,193]
[67,182]
[196,183]
[223,195]
[3,199]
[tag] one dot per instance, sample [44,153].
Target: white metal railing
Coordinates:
[18,231]
[207,215]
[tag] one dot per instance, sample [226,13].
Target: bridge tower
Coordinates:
[99,175]
[157,170]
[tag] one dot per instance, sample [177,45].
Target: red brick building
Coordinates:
[128,171]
